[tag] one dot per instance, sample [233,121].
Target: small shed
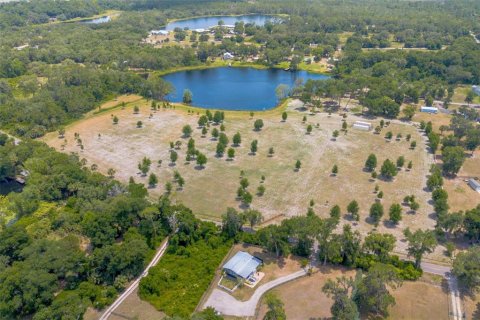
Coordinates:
[242,265]
[429,109]
[362,125]
[474,184]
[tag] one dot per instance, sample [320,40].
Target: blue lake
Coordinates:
[234,88]
[206,22]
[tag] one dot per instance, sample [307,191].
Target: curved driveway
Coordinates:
[228,305]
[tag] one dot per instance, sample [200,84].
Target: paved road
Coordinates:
[228,305]
[134,285]
[455,299]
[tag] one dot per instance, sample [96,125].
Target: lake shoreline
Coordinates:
[234,64]
[169,21]
[230,88]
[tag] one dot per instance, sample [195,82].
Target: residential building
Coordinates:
[242,265]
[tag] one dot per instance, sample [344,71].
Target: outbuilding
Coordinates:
[362,125]
[242,265]
[474,184]
[429,109]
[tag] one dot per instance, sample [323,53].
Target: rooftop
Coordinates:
[242,264]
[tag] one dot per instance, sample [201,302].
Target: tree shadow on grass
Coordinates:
[198,167]
[389,224]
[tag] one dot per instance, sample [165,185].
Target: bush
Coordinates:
[184,272]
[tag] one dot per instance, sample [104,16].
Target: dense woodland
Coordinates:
[74,238]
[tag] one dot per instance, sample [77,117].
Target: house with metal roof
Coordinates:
[242,265]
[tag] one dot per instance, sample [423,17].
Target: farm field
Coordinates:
[209,191]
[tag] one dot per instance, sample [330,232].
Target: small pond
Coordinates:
[207,22]
[234,88]
[10,186]
[103,19]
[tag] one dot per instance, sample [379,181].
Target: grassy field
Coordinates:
[461,92]
[288,192]
[460,195]
[132,308]
[304,299]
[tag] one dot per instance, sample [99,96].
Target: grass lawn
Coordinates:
[471,304]
[303,298]
[461,92]
[208,192]
[420,300]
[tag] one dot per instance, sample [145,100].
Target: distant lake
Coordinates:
[103,19]
[234,88]
[206,22]
[10,186]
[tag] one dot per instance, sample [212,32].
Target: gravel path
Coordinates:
[455,298]
[228,305]
[134,285]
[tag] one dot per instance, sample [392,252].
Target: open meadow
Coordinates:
[209,191]
[304,299]
[460,195]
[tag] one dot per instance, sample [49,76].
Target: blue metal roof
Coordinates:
[242,264]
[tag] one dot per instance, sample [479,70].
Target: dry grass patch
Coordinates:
[439,119]
[460,94]
[471,304]
[420,300]
[208,192]
[303,298]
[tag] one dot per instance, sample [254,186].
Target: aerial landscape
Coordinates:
[239,159]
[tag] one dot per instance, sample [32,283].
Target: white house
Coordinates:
[228,56]
[474,184]
[429,109]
